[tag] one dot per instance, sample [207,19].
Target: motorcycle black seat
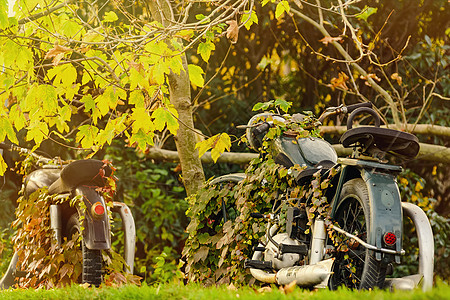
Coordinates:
[40,178]
[88,172]
[384,139]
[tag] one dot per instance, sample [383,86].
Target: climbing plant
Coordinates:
[216,249]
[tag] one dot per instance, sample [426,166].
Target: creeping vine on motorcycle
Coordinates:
[46,263]
[215,250]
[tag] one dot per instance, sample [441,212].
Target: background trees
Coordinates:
[94,77]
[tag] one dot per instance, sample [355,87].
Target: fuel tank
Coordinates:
[289,150]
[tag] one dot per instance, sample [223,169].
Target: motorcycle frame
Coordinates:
[96,233]
[386,214]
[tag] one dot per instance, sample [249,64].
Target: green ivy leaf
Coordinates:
[195,75]
[367,12]
[262,105]
[283,105]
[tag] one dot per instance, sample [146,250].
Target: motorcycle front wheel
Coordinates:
[92,259]
[355,266]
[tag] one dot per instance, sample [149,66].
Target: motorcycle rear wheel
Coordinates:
[92,259]
[356,268]
[227,211]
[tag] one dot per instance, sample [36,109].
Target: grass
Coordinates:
[193,291]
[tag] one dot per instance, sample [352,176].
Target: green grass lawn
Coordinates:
[179,291]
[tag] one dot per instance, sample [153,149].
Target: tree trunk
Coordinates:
[180,97]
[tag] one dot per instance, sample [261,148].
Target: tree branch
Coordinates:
[427,152]
[44,13]
[354,64]
[426,129]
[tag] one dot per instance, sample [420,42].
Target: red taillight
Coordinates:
[98,209]
[390,238]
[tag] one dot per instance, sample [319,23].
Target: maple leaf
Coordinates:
[205,49]
[137,66]
[330,39]
[195,75]
[339,82]
[232,31]
[3,165]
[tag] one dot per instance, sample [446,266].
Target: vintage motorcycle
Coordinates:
[67,180]
[366,209]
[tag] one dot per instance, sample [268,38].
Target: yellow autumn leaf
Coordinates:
[418,187]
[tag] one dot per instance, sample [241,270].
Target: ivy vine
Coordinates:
[215,250]
[42,262]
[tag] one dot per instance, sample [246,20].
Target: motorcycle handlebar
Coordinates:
[261,128]
[352,107]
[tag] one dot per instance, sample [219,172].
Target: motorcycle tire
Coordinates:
[356,268]
[92,259]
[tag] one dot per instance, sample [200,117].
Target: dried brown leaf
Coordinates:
[289,288]
[397,77]
[57,59]
[57,49]
[265,289]
[232,31]
[138,66]
[330,39]
[201,254]
[370,75]
[340,81]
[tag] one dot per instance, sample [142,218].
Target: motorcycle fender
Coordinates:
[386,213]
[97,230]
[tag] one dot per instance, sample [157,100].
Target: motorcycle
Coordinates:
[87,217]
[366,211]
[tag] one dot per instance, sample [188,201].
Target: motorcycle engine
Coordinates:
[278,260]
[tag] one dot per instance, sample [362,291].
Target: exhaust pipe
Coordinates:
[304,276]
